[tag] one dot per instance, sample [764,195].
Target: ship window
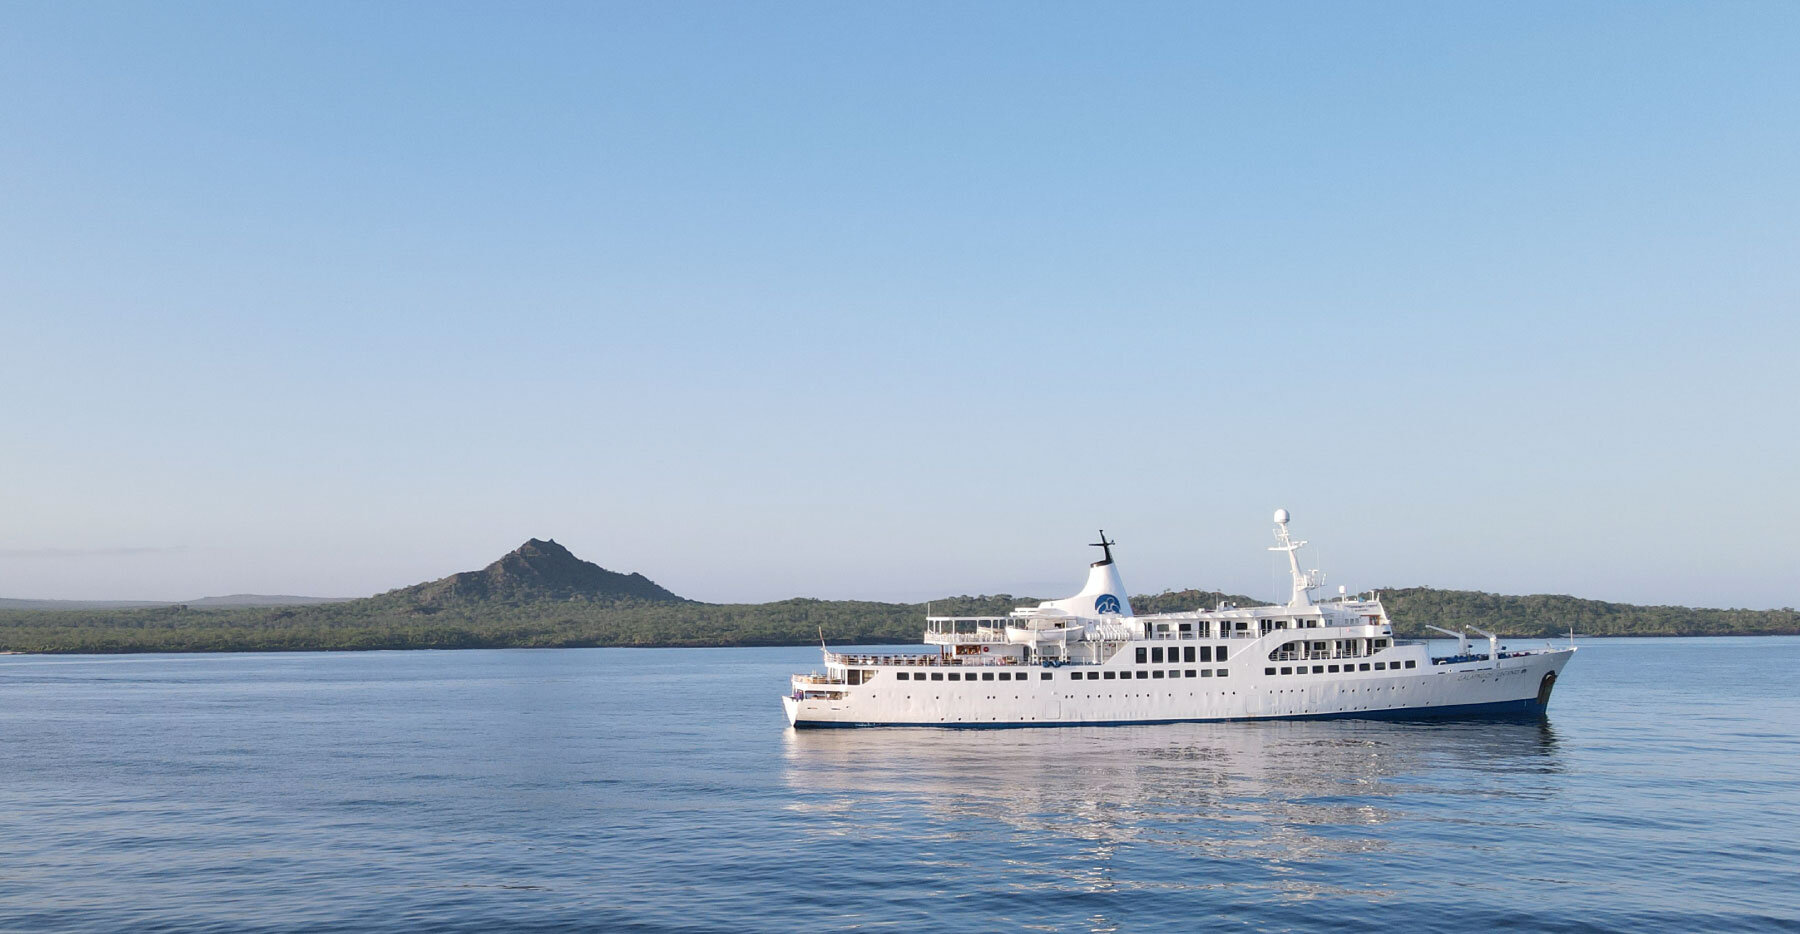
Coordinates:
[1044,677]
[1287,671]
[1187,653]
[1205,653]
[1268,671]
[1411,664]
[1142,655]
[1188,674]
[1156,655]
[1157,673]
[901,676]
[1318,669]
[1363,667]
[1108,676]
[1223,672]
[1381,666]
[987,676]
[1142,675]
[1219,654]
[937,676]
[1186,627]
[1333,669]
[1207,672]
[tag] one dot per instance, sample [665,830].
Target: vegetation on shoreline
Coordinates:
[386,622]
[540,596]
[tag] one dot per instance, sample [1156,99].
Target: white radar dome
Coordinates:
[1281,517]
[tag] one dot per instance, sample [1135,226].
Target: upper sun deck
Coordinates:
[1224,622]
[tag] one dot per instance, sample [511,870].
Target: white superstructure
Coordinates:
[1087,659]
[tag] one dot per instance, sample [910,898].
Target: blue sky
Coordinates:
[896,301]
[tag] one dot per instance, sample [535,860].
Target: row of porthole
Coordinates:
[1347,668]
[1080,697]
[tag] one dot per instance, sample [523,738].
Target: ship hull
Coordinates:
[1518,687]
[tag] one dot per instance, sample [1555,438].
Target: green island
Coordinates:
[542,596]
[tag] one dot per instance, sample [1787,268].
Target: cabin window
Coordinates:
[1108,676]
[1287,671]
[1222,672]
[1156,655]
[1219,654]
[1044,677]
[1006,676]
[1186,627]
[1380,666]
[1188,674]
[1187,653]
[1205,653]
[1157,673]
[955,676]
[1143,655]
[1318,669]
[1411,664]
[1363,667]
[1142,675]
[901,676]
[1332,669]
[987,676]
[937,676]
[1268,671]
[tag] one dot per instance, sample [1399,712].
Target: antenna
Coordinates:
[1105,546]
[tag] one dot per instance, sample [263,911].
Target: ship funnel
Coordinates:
[1104,593]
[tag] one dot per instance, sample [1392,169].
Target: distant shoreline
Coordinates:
[541,596]
[1579,640]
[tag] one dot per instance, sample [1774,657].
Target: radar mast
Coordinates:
[1304,581]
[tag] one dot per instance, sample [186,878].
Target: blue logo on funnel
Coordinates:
[1106,603]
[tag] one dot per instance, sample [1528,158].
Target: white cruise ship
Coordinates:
[1088,660]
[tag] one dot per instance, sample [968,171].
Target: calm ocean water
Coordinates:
[658,790]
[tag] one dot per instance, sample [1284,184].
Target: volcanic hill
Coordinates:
[535,571]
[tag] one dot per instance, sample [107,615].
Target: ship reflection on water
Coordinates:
[1204,805]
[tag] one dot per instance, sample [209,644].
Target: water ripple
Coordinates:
[656,790]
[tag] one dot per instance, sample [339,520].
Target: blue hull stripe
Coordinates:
[1524,709]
